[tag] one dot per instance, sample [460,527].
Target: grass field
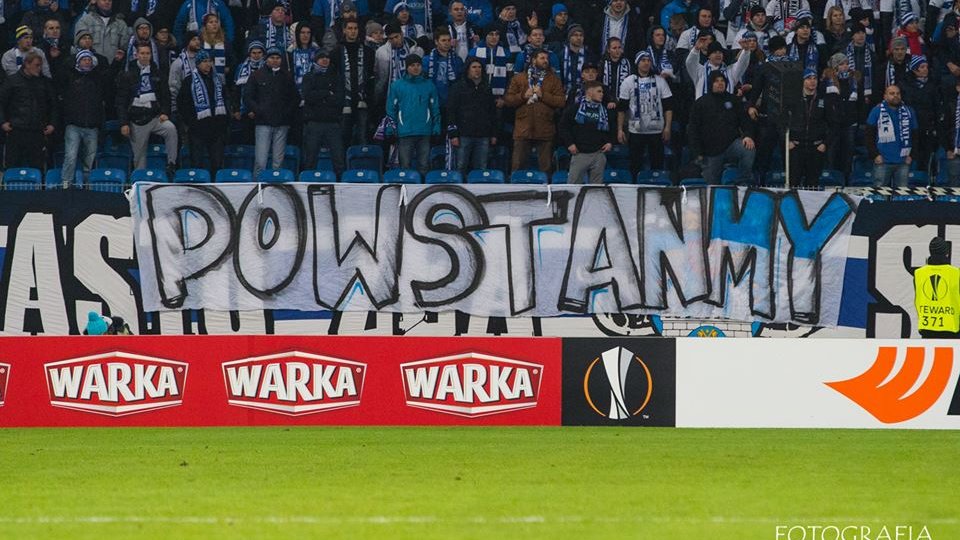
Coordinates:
[472,483]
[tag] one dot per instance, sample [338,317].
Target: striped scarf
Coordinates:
[867,70]
[812,57]
[441,65]
[187,64]
[219,54]
[151,6]
[592,112]
[348,74]
[302,60]
[397,62]
[516,37]
[245,69]
[201,100]
[707,70]
[661,60]
[832,88]
[890,74]
[495,64]
[623,30]
[277,36]
[956,126]
[885,132]
[572,65]
[196,18]
[612,74]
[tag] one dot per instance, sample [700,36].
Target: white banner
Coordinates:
[502,251]
[814,383]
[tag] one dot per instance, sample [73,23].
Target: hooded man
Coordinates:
[700,73]
[619,21]
[108,29]
[414,106]
[143,35]
[84,96]
[272,100]
[28,113]
[720,132]
[472,118]
[323,99]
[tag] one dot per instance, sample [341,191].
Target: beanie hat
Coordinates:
[83,53]
[23,31]
[837,59]
[749,35]
[714,47]
[255,44]
[716,74]
[96,326]
[272,51]
[776,43]
[79,35]
[391,29]
[348,5]
[809,72]
[907,17]
[917,61]
[373,27]
[412,59]
[901,41]
[321,53]
[574,28]
[202,56]
[939,248]
[558,9]
[401,6]
[755,10]
[856,28]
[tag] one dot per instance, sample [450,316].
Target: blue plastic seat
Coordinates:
[193,176]
[118,158]
[276,176]
[156,156]
[561,159]
[485,176]
[654,178]
[559,177]
[618,157]
[52,180]
[324,160]
[323,175]
[238,156]
[366,156]
[111,180]
[730,176]
[402,176]
[775,179]
[862,179]
[225,176]
[444,177]
[693,182]
[291,159]
[360,176]
[528,177]
[22,179]
[918,179]
[148,175]
[831,178]
[617,176]
[438,157]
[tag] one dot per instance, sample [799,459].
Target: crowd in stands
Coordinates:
[513,84]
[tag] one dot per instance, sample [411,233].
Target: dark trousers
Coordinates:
[768,138]
[641,144]
[209,143]
[840,148]
[25,148]
[317,135]
[354,127]
[806,164]
[419,145]
[521,151]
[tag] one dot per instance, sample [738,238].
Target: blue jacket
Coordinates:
[418,11]
[678,6]
[183,17]
[479,12]
[321,8]
[413,104]
[520,63]
[443,83]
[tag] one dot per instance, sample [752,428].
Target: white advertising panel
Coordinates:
[814,383]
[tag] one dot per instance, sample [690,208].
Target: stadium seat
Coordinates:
[118,158]
[193,176]
[52,180]
[528,177]
[730,176]
[831,178]
[291,159]
[444,177]
[618,157]
[559,177]
[156,156]
[324,160]
[324,175]
[918,179]
[943,172]
[402,176]
[862,179]
[654,178]
[366,156]
[225,176]
[22,179]
[148,175]
[485,176]
[617,176]
[238,156]
[561,159]
[58,158]
[499,158]
[438,157]
[276,176]
[111,180]
[693,182]
[360,176]
[775,179]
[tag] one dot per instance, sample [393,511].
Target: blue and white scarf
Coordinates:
[409,30]
[245,69]
[187,64]
[812,58]
[515,35]
[201,100]
[886,135]
[334,11]
[145,96]
[277,36]
[833,88]
[398,62]
[495,64]
[302,64]
[707,70]
[151,6]
[623,30]
[890,74]
[867,70]
[661,60]
[956,126]
[218,52]
[592,112]
[441,67]
[613,74]
[572,65]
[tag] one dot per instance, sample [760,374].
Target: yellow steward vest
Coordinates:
[937,293]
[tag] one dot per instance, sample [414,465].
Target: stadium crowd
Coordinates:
[682,85]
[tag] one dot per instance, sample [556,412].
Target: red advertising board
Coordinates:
[278,380]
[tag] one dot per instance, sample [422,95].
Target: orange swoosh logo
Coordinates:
[888,402]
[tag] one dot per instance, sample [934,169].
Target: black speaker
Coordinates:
[784,88]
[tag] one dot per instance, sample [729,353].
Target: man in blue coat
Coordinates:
[413,105]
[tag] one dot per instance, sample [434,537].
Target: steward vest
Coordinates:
[937,297]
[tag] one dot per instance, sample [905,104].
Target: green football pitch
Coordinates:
[556,483]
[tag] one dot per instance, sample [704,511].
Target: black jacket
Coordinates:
[272,97]
[588,137]
[924,98]
[472,110]
[808,121]
[361,84]
[128,85]
[716,120]
[84,96]
[842,112]
[188,112]
[28,103]
[323,96]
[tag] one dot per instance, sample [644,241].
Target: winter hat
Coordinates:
[391,29]
[776,43]
[902,41]
[202,56]
[79,35]
[641,55]
[574,28]
[23,31]
[837,59]
[749,35]
[907,17]
[939,249]
[272,51]
[96,325]
[755,10]
[401,6]
[917,61]
[321,53]
[348,5]
[558,9]
[714,47]
[83,53]
[373,27]
[255,44]
[412,59]
[807,73]
[804,14]
[714,75]
[856,28]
